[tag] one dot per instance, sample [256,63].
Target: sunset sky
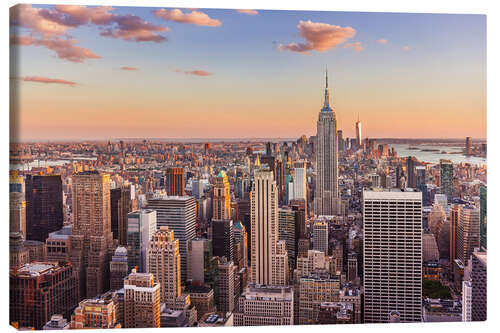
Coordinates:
[124,72]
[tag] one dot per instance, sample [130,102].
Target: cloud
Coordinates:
[250,12]
[42,79]
[406,48]
[356,46]
[195,17]
[56,22]
[196,72]
[64,48]
[382,41]
[127,68]
[320,37]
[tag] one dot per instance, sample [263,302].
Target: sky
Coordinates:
[91,73]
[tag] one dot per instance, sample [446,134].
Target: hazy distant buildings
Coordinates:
[326,196]
[392,243]
[44,206]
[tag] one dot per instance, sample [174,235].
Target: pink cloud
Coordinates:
[382,41]
[247,11]
[127,68]
[196,72]
[64,48]
[406,48]
[195,17]
[56,22]
[42,79]
[356,46]
[320,37]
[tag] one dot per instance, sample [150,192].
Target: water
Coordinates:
[48,163]
[434,156]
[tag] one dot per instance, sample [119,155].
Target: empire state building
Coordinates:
[326,197]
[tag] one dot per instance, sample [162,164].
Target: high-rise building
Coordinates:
[483,205]
[314,289]
[44,206]
[454,217]
[287,228]
[201,264]
[222,198]
[266,254]
[17,210]
[320,236]
[142,301]
[468,233]
[98,312]
[392,255]
[410,170]
[299,184]
[466,300]
[352,266]
[91,239]
[468,146]
[164,263]
[265,305]
[118,268]
[197,188]
[420,177]
[141,225]
[222,238]
[327,189]
[478,284]
[122,203]
[241,238]
[359,139]
[39,290]
[446,178]
[175,182]
[225,286]
[179,215]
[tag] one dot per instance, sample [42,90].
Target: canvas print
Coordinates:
[179,167]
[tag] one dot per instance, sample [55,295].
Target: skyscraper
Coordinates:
[264,225]
[468,231]
[222,238]
[468,146]
[359,139]
[17,210]
[327,195]
[141,226]
[446,178]
[121,205]
[454,217]
[175,181]
[478,283]
[392,255]
[410,170]
[225,286]
[179,215]
[91,239]
[320,236]
[483,206]
[164,263]
[118,268]
[222,198]
[44,206]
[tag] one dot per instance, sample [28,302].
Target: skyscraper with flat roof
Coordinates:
[468,233]
[392,255]
[44,206]
[142,301]
[175,181]
[320,236]
[446,178]
[141,226]
[91,239]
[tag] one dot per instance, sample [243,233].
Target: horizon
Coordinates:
[102,72]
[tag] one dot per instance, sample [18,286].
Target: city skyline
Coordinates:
[236,74]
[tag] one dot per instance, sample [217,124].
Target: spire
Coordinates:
[326,104]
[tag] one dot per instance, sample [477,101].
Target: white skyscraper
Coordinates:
[326,196]
[466,301]
[392,255]
[269,257]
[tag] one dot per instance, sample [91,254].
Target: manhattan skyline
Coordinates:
[102,73]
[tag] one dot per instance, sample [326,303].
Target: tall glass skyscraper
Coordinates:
[446,178]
